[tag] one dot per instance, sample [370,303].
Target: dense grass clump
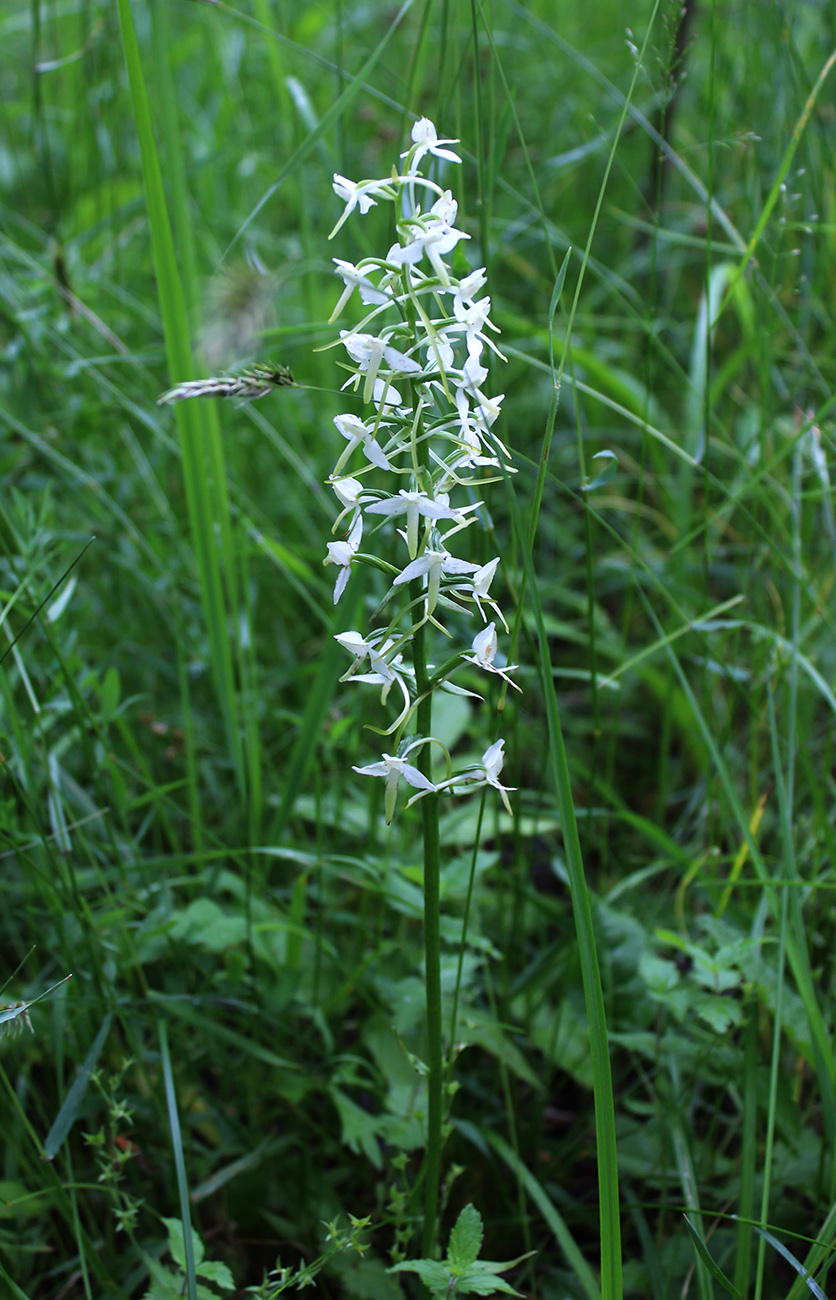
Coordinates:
[640,1081]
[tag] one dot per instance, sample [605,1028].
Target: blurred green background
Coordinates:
[181,828]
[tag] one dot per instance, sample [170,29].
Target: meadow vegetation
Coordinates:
[230,1094]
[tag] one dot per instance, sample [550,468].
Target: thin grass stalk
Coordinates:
[609,1208]
[796,948]
[432,939]
[183,234]
[775,1062]
[191,422]
[179,1162]
[748,1147]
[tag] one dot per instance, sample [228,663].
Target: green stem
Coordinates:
[432,939]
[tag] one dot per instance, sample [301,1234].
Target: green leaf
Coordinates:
[483,1283]
[465,1241]
[217,1273]
[431,1273]
[109,693]
[177,1246]
[704,1254]
[359,1128]
[66,1116]
[607,473]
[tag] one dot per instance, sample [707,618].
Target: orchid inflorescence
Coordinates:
[431,427]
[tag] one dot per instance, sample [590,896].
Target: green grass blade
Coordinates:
[66,1116]
[551,1215]
[777,184]
[797,955]
[791,1260]
[196,443]
[179,1162]
[704,1255]
[609,1209]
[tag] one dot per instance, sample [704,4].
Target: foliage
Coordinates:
[182,826]
[462,1272]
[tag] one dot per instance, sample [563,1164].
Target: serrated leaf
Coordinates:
[177,1246]
[431,1273]
[217,1273]
[479,1283]
[465,1240]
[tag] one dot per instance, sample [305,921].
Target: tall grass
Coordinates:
[643,994]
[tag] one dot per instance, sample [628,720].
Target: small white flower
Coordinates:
[480,420]
[370,353]
[475,318]
[342,553]
[466,290]
[415,505]
[492,763]
[352,497]
[440,356]
[374,648]
[425,136]
[393,769]
[363,195]
[356,278]
[385,396]
[482,580]
[485,773]
[484,648]
[358,434]
[435,563]
[436,238]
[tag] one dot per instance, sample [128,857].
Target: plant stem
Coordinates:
[432,941]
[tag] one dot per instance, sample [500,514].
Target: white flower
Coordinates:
[485,773]
[386,669]
[392,769]
[385,396]
[466,290]
[425,136]
[415,505]
[369,353]
[435,563]
[436,238]
[357,435]
[363,195]
[351,496]
[374,648]
[342,553]
[484,649]
[480,420]
[356,278]
[492,763]
[482,580]
[475,317]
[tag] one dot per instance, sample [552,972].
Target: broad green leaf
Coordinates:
[431,1273]
[476,1283]
[204,924]
[217,1273]
[359,1128]
[177,1247]
[465,1240]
